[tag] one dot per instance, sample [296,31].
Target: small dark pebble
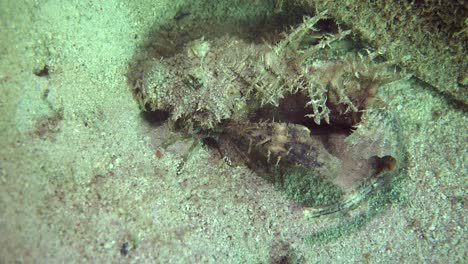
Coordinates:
[124,249]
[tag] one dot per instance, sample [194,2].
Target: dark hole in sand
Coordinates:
[155,118]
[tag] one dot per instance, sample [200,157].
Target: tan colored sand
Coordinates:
[79,176]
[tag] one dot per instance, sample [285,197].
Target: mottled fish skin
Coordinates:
[282,144]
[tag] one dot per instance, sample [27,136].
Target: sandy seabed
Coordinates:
[84,178]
